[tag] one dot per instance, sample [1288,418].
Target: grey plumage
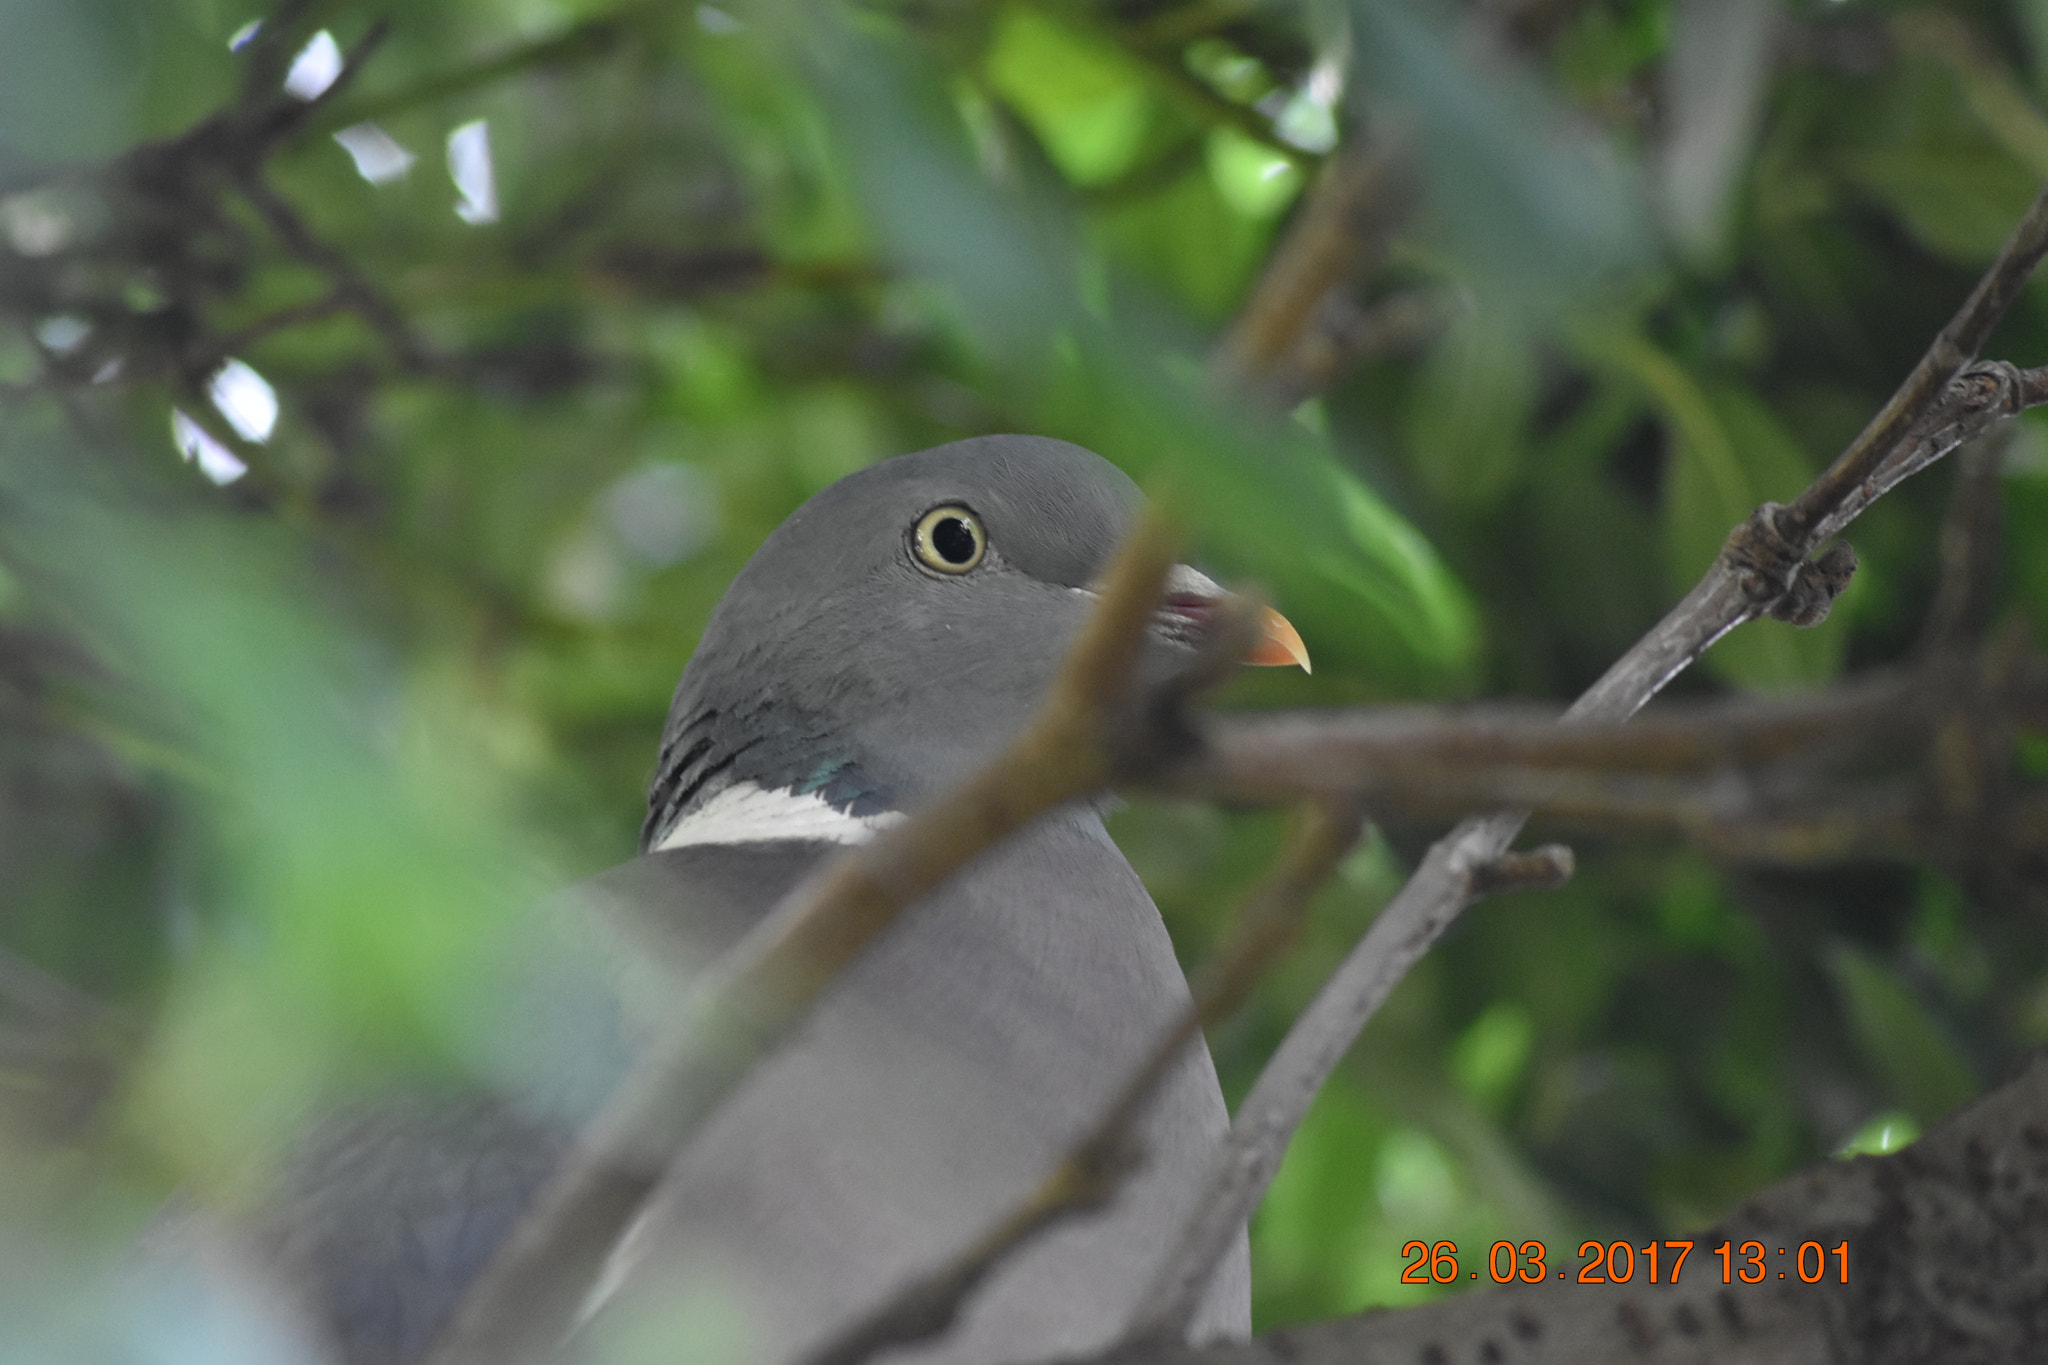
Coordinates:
[953,1064]
[836,663]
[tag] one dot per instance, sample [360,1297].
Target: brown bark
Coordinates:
[1947,1262]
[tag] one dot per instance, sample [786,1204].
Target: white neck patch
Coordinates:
[747,813]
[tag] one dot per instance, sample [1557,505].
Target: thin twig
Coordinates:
[526,1298]
[1090,1175]
[269,53]
[1953,347]
[336,300]
[349,282]
[1290,339]
[1763,563]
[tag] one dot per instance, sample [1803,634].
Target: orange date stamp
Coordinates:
[1623,1262]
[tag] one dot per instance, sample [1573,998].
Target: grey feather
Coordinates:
[942,1075]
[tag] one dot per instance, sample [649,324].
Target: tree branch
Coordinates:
[1869,768]
[351,286]
[1832,499]
[1944,1244]
[1762,568]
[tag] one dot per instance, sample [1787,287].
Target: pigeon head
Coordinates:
[895,631]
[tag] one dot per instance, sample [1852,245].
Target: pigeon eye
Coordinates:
[949,539]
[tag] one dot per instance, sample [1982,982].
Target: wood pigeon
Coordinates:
[894,633]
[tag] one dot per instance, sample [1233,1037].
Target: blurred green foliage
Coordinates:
[280,757]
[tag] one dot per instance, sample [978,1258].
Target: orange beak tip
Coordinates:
[1279,643]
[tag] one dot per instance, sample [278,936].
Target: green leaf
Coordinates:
[1530,197]
[359,877]
[1470,408]
[1605,45]
[1087,102]
[1253,178]
[1267,498]
[1929,158]
[1189,241]
[1322,1187]
[1897,1037]
[1887,1132]
[1271,505]
[1957,201]
[1493,1053]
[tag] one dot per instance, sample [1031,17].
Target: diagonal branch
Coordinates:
[351,287]
[1763,567]
[1815,511]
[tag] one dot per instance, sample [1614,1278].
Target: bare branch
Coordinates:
[1762,565]
[350,284]
[1909,765]
[1953,347]
[1540,869]
[170,222]
[1442,886]
[1763,562]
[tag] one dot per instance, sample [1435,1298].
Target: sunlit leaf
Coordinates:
[1256,181]
[1884,1133]
[1087,102]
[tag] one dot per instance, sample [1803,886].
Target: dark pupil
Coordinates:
[953,541]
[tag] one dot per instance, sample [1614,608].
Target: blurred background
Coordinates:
[388,393]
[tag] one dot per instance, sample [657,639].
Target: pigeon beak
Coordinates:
[1190,604]
[1279,643]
